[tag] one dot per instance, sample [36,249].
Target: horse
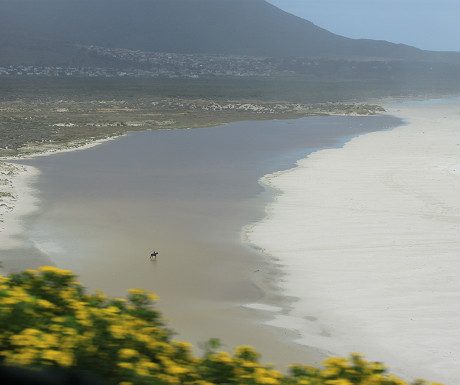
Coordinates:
[154,255]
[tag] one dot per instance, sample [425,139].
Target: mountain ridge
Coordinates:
[229,27]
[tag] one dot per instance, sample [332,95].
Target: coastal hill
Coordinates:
[77,69]
[51,32]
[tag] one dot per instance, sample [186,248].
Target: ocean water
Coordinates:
[186,194]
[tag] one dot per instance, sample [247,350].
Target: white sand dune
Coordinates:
[16,200]
[368,237]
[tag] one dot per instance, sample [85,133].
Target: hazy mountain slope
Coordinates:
[242,27]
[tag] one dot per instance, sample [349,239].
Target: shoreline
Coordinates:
[74,230]
[17,197]
[291,335]
[381,212]
[15,179]
[16,200]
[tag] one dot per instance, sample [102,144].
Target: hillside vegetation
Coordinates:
[43,114]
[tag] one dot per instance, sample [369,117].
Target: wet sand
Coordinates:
[17,199]
[368,237]
[186,194]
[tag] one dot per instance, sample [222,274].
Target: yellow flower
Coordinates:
[125,365]
[249,364]
[336,361]
[66,294]
[397,380]
[374,379]
[55,328]
[31,332]
[69,343]
[46,341]
[46,304]
[20,294]
[111,310]
[3,279]
[142,372]
[21,340]
[183,345]
[150,342]
[52,269]
[127,353]
[152,297]
[51,355]
[76,305]
[377,366]
[267,380]
[61,357]
[168,379]
[244,349]
[26,357]
[136,291]
[117,331]
[176,369]
[83,317]
[275,373]
[65,359]
[9,301]
[221,357]
[339,381]
[69,331]
[330,372]
[147,365]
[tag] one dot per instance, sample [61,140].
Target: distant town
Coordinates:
[121,62]
[132,63]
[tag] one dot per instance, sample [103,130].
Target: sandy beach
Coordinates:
[16,200]
[112,205]
[367,239]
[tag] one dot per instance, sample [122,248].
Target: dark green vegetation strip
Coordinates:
[39,113]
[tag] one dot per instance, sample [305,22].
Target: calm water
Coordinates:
[186,194]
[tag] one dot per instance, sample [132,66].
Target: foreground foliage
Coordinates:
[47,320]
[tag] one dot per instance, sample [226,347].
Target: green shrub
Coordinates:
[47,320]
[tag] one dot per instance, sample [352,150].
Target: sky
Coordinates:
[426,24]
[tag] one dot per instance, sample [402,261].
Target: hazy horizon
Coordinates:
[429,25]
